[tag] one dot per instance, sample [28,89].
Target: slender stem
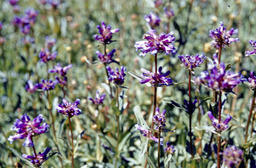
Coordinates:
[189,84]
[110,88]
[50,111]
[117,117]
[159,135]
[253,119]
[72,141]
[219,138]
[190,115]
[250,115]
[33,147]
[219,54]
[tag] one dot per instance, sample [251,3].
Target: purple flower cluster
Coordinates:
[27,128]
[232,156]
[158,79]
[253,44]
[153,20]
[168,12]
[46,85]
[45,55]
[191,61]
[223,37]
[53,3]
[218,78]
[39,158]
[158,3]
[69,109]
[169,148]
[30,87]
[1,26]
[116,76]
[155,43]
[49,42]
[252,80]
[98,98]
[105,33]
[148,133]
[190,106]
[108,58]
[62,71]
[219,126]
[159,119]
[13,2]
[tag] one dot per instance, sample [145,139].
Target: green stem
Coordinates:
[72,141]
[118,125]
[219,138]
[159,154]
[250,116]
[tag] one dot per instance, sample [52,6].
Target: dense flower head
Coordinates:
[252,80]
[60,70]
[46,85]
[169,148]
[13,2]
[54,3]
[190,106]
[16,21]
[253,44]
[155,43]
[153,20]
[98,98]
[106,58]
[219,126]
[218,78]
[27,128]
[159,119]
[31,15]
[116,76]
[192,61]
[168,12]
[45,55]
[49,42]
[69,109]
[223,37]
[158,79]
[158,3]
[39,158]
[232,156]
[148,133]
[30,87]
[105,33]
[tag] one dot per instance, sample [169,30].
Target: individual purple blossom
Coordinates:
[49,42]
[16,21]
[31,15]
[169,148]
[98,98]
[192,61]
[168,12]
[253,44]
[26,128]
[39,158]
[219,126]
[60,70]
[159,119]
[218,78]
[158,79]
[69,109]
[30,87]
[1,26]
[46,85]
[13,2]
[54,3]
[108,58]
[153,20]
[105,33]
[116,76]
[232,156]
[190,106]
[45,55]
[158,3]
[252,80]
[155,43]
[223,37]
[148,133]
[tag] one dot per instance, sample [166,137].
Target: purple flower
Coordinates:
[159,119]
[169,148]
[27,40]
[60,70]
[148,133]
[105,33]
[232,156]
[106,59]
[190,106]
[39,158]
[46,85]
[16,21]
[219,126]
[116,76]
[13,2]
[155,43]
[31,15]
[153,20]
[191,61]
[98,98]
[168,12]
[158,3]
[253,44]
[26,128]
[158,79]
[218,78]
[69,109]
[49,42]
[1,26]
[252,80]
[43,2]
[45,55]
[223,37]
[54,3]
[30,87]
